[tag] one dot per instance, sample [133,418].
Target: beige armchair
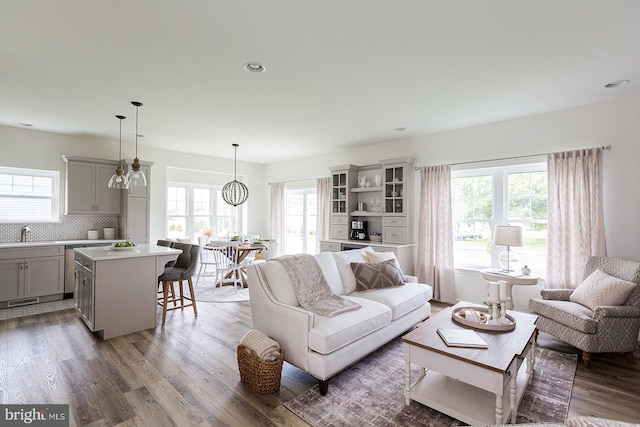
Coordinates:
[603,329]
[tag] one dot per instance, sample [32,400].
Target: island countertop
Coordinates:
[109,253]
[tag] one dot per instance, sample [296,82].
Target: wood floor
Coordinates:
[185,374]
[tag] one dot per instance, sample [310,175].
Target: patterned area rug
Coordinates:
[371,393]
[207,292]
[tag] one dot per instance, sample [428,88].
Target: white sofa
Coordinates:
[321,345]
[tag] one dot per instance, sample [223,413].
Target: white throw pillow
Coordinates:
[600,289]
[385,256]
[344,260]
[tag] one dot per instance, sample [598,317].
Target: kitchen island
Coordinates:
[116,288]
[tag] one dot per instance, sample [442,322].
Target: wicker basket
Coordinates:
[262,376]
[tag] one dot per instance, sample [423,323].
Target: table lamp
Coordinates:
[507,235]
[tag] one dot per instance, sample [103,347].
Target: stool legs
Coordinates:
[169,296]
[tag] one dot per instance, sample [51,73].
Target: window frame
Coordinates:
[54,196]
[190,215]
[304,191]
[500,205]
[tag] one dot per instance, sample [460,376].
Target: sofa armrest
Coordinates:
[410,279]
[628,311]
[556,294]
[286,324]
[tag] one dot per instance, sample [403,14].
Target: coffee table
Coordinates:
[475,386]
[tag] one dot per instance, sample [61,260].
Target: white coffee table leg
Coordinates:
[512,397]
[407,383]
[498,410]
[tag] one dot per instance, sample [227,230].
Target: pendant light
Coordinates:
[135,175]
[119,180]
[235,193]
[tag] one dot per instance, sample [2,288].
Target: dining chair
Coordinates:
[226,259]
[207,260]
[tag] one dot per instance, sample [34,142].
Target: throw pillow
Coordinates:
[602,289]
[385,256]
[377,275]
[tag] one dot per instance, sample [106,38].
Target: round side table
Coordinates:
[512,278]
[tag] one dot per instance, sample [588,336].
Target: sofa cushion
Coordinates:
[343,261]
[384,256]
[575,316]
[601,289]
[332,333]
[401,300]
[330,271]
[279,283]
[377,275]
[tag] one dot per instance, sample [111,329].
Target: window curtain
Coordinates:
[277,217]
[575,215]
[435,233]
[323,203]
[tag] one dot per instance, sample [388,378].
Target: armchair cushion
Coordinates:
[567,313]
[601,289]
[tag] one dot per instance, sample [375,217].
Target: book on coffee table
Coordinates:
[461,338]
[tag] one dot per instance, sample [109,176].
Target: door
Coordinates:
[12,283]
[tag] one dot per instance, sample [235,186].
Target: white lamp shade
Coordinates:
[508,235]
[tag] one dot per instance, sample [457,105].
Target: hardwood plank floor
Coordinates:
[186,374]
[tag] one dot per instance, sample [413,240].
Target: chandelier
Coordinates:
[119,179]
[136,176]
[235,193]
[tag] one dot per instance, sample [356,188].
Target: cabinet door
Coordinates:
[12,283]
[138,214]
[107,199]
[88,303]
[81,185]
[394,235]
[44,276]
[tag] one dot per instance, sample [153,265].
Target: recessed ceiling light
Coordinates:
[254,67]
[400,129]
[616,83]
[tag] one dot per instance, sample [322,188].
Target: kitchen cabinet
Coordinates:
[136,209]
[343,178]
[83,296]
[29,274]
[87,190]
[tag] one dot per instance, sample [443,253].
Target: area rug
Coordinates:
[371,393]
[207,292]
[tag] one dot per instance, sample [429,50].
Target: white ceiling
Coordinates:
[338,73]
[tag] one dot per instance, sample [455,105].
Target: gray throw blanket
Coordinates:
[311,288]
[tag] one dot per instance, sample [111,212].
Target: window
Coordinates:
[194,209]
[301,213]
[28,195]
[484,198]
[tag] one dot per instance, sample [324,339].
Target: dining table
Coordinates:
[244,250]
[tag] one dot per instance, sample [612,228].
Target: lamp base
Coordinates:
[506,259]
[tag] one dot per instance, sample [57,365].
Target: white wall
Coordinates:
[43,150]
[616,123]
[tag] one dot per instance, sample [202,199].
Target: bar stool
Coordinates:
[182,270]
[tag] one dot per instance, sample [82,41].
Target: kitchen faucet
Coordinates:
[23,233]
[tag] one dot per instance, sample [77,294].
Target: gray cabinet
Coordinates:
[30,273]
[136,209]
[343,179]
[87,190]
[84,294]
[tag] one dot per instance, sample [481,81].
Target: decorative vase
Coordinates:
[526,270]
[378,180]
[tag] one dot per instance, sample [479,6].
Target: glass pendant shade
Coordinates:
[235,193]
[136,176]
[119,180]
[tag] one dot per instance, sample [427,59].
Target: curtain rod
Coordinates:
[604,147]
[297,180]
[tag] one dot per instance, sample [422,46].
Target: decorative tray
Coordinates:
[478,318]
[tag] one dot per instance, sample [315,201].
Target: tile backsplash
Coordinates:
[70,227]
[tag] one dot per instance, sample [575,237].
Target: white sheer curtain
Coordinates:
[575,215]
[435,233]
[323,203]
[277,216]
